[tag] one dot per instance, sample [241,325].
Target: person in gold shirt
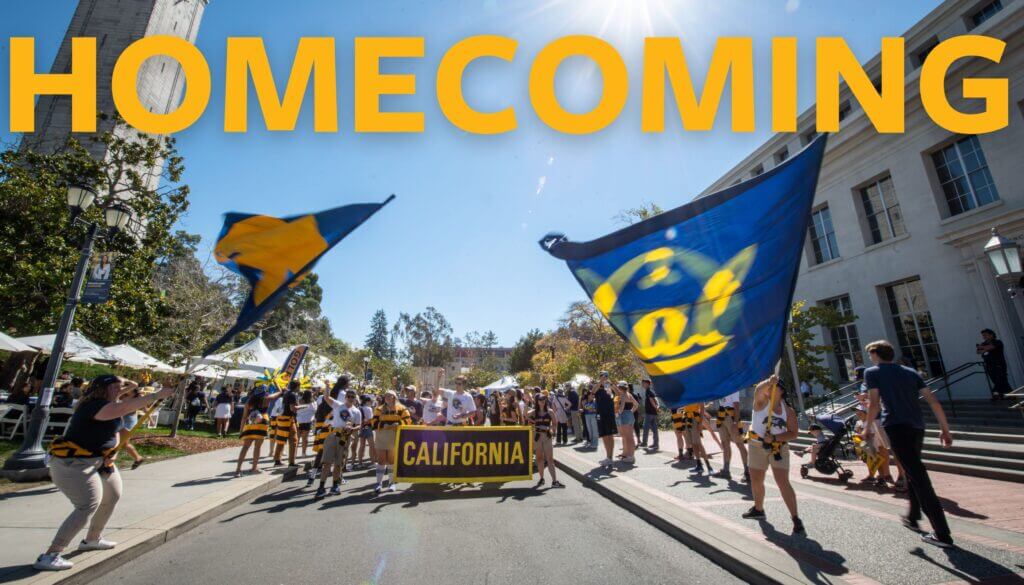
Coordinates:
[387,417]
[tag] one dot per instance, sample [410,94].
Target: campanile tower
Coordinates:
[116,24]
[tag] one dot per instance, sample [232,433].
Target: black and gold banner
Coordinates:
[463,454]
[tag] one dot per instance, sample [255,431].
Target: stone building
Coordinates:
[116,24]
[900,221]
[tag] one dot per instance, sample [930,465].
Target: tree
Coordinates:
[804,322]
[378,343]
[428,338]
[632,215]
[196,305]
[39,244]
[583,343]
[522,354]
[298,318]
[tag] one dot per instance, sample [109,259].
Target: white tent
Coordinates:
[77,348]
[314,365]
[579,380]
[8,343]
[501,385]
[136,358]
[245,361]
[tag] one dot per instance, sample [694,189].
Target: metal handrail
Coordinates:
[936,383]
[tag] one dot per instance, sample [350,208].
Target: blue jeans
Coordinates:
[651,423]
[590,419]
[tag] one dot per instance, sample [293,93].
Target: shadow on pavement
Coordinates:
[226,476]
[968,566]
[816,562]
[426,493]
[950,506]
[29,492]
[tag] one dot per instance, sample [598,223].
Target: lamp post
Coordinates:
[28,463]
[1004,254]
[367,374]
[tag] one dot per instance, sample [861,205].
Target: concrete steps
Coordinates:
[996,453]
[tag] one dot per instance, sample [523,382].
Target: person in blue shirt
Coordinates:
[893,394]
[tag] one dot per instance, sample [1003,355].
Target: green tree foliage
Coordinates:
[805,321]
[427,337]
[39,244]
[632,215]
[196,305]
[521,359]
[378,342]
[583,343]
[298,318]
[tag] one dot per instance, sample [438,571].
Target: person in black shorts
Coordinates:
[605,417]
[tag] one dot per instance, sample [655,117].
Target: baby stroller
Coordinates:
[826,462]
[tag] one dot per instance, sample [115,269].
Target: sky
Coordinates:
[462,234]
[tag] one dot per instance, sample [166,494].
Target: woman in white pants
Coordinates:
[82,466]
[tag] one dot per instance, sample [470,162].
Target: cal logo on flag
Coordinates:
[276,253]
[702,292]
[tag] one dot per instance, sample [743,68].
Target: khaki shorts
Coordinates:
[334,450]
[384,440]
[726,434]
[693,433]
[760,458]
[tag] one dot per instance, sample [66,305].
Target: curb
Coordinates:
[154,532]
[749,572]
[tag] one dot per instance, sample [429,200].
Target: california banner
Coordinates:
[463,454]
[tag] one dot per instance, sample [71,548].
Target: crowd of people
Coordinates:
[352,430]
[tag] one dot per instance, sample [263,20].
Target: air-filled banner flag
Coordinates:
[274,253]
[702,292]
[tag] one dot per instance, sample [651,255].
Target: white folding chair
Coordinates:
[9,422]
[56,428]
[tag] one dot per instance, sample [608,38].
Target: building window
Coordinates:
[921,54]
[882,210]
[844,110]
[823,237]
[844,339]
[808,137]
[986,12]
[915,331]
[758,170]
[964,176]
[783,155]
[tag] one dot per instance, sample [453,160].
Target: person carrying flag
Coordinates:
[346,418]
[773,424]
[387,417]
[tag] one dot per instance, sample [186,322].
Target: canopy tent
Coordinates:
[245,361]
[579,380]
[314,365]
[8,343]
[505,383]
[77,348]
[135,358]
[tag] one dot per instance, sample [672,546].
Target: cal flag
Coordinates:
[274,254]
[702,292]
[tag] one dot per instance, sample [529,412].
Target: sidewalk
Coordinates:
[853,532]
[160,501]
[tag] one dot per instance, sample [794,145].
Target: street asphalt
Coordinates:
[424,534]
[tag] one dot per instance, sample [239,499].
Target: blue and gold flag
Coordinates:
[702,292]
[274,254]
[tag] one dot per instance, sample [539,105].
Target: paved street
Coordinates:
[424,534]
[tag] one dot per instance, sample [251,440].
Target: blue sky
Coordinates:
[462,234]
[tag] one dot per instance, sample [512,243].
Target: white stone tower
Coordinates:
[116,24]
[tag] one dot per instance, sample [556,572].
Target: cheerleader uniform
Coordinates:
[257,426]
[385,421]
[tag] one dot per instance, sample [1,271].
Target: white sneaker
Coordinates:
[96,545]
[52,562]
[392,488]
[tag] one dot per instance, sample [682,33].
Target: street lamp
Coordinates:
[28,463]
[1004,254]
[367,374]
